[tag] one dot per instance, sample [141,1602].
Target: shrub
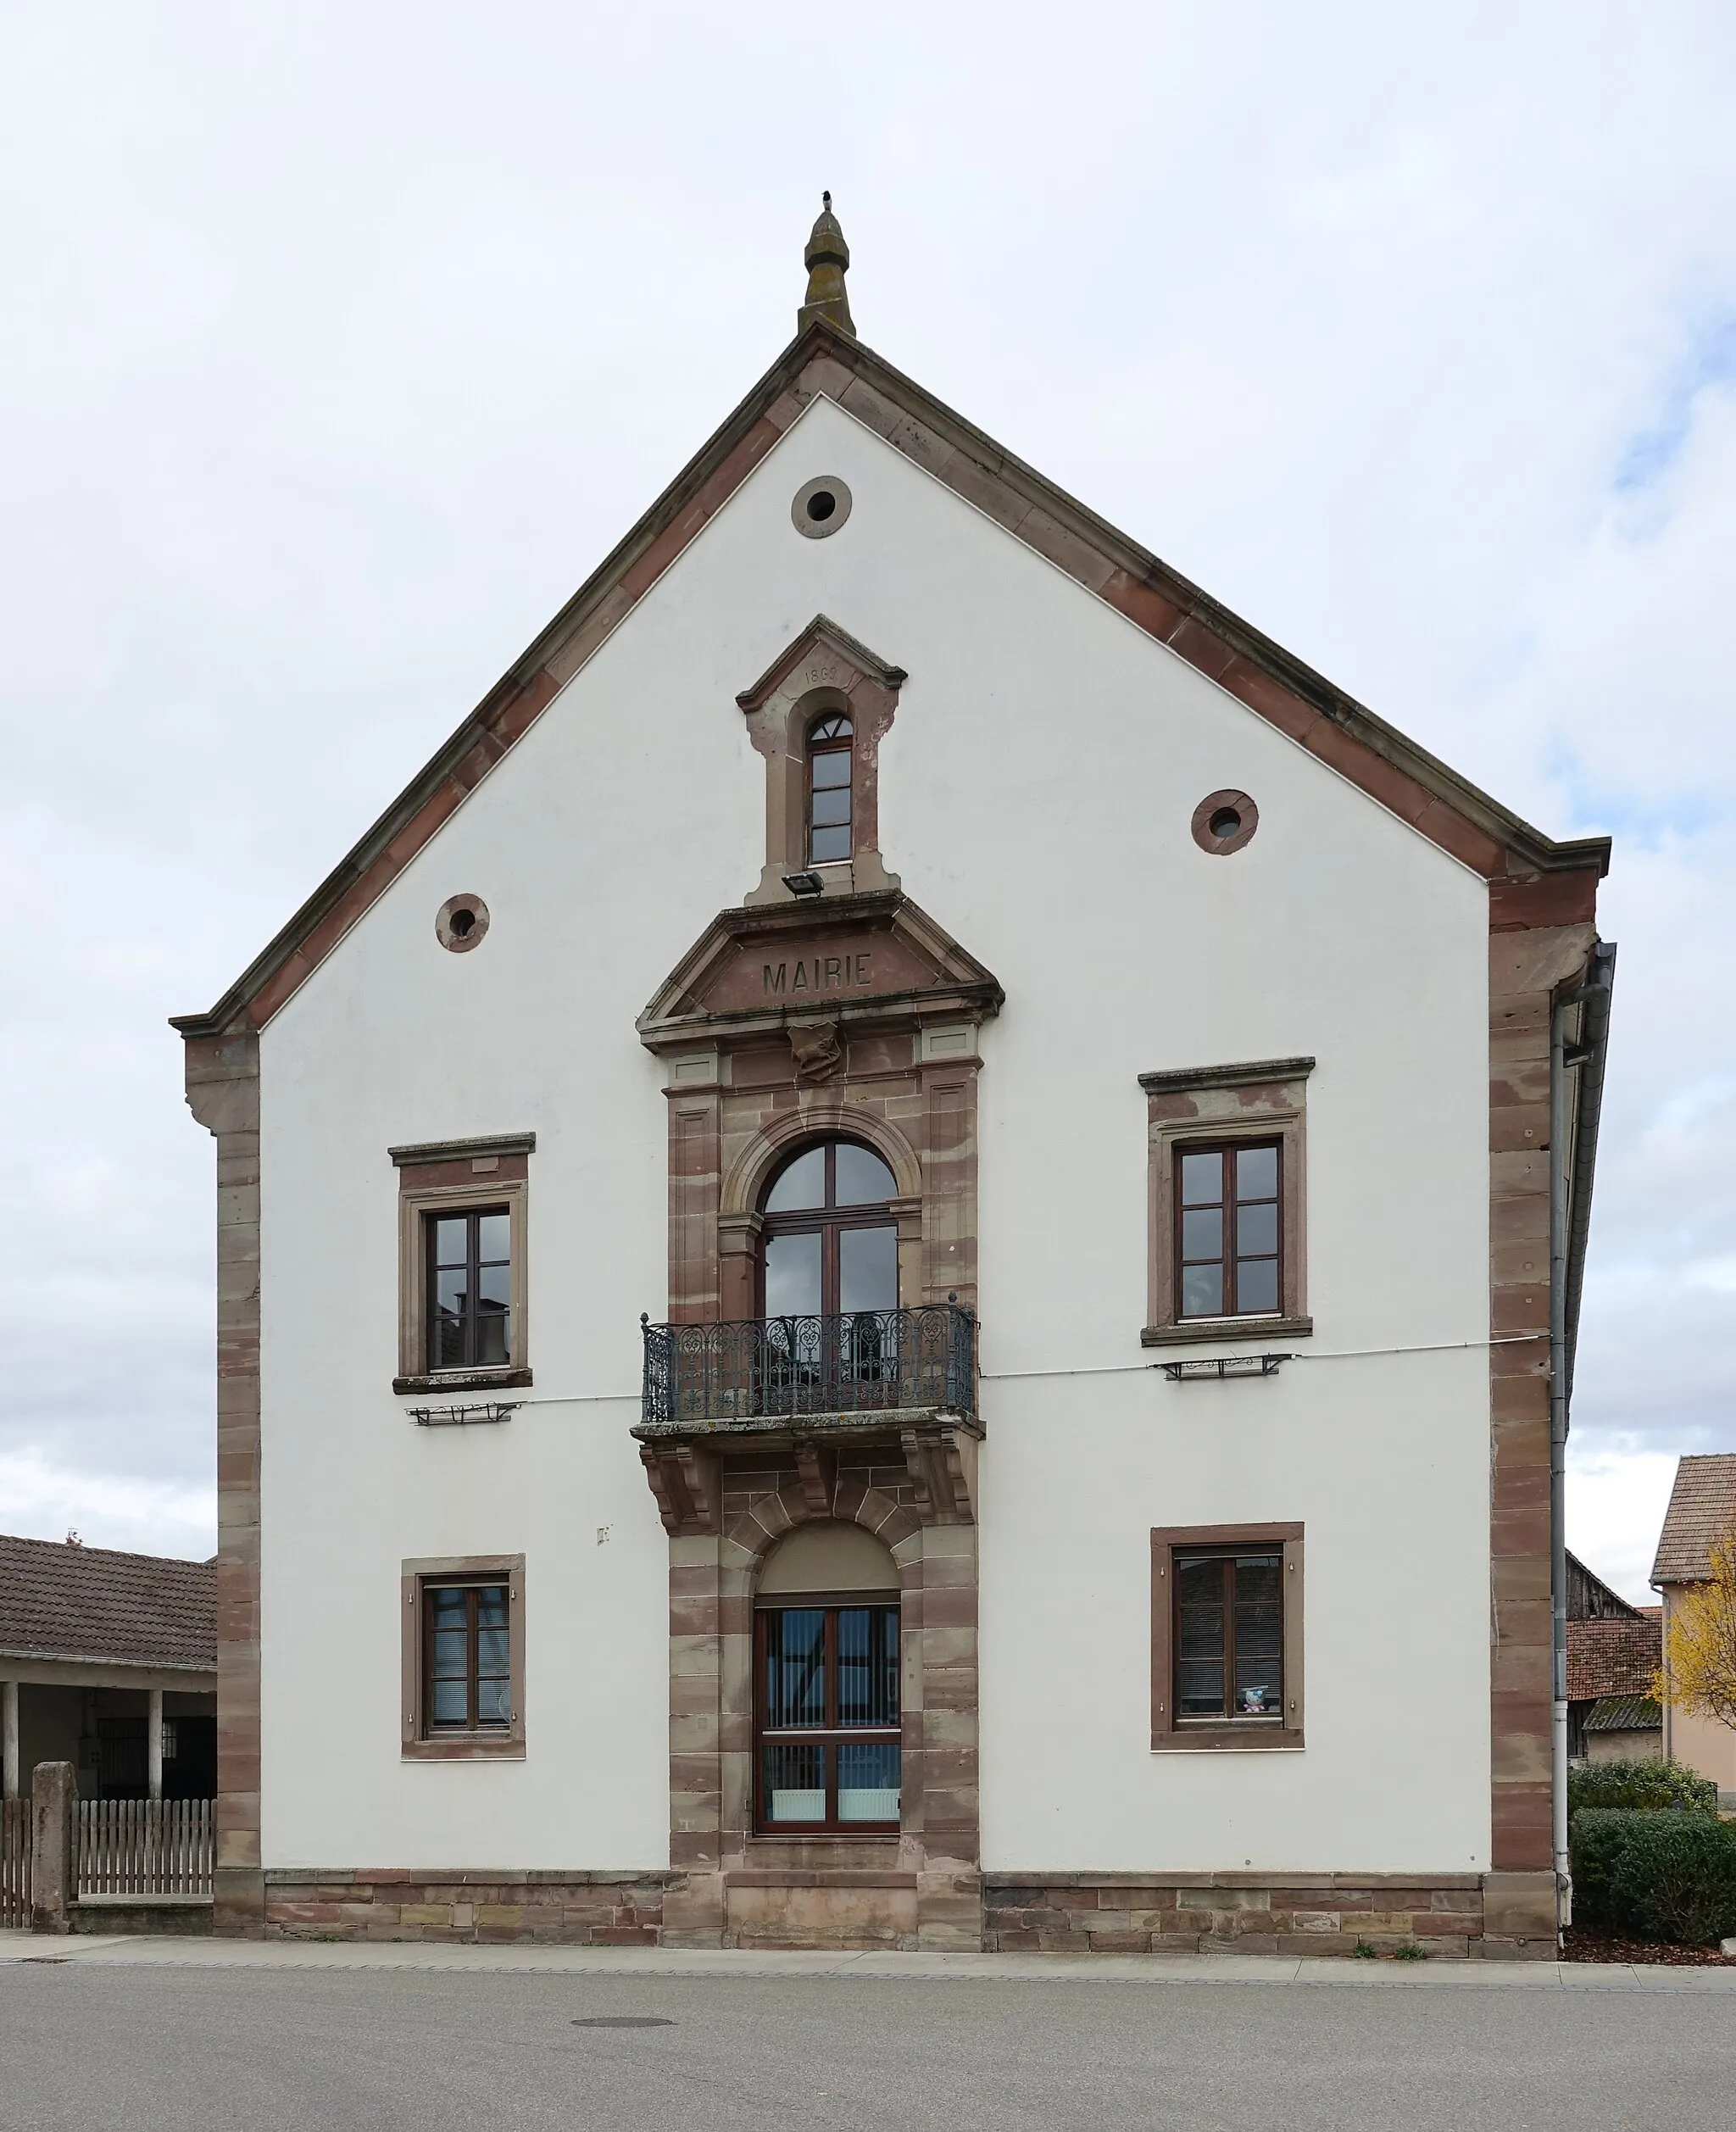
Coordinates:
[1655,1876]
[1597,1837]
[1643,1784]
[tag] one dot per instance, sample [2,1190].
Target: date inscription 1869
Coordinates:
[817,973]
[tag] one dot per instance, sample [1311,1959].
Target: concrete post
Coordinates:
[8,1739]
[53,1847]
[154,1767]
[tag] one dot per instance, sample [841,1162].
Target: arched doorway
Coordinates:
[825,1684]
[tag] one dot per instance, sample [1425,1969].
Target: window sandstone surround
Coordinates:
[461,1205]
[872,1059]
[818,715]
[1225,1637]
[787,1023]
[1226,1205]
[463,1658]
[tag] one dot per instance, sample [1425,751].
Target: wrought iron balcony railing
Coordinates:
[759,1368]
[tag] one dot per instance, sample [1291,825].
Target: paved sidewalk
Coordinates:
[133,1951]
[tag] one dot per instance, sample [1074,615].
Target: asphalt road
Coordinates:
[85,2049]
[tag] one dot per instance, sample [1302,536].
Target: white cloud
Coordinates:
[41,1500]
[1618,1493]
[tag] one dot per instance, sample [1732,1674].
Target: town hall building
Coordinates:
[886,1263]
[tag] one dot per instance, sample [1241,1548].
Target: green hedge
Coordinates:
[1654,1876]
[1638,1784]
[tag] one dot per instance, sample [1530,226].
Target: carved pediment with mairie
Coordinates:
[837,960]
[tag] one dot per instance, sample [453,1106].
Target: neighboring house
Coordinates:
[1702,1508]
[109,1661]
[1612,1661]
[1623,1728]
[1590,1599]
[1069,1091]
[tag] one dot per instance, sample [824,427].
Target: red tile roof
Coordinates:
[1612,1657]
[93,1602]
[1702,1507]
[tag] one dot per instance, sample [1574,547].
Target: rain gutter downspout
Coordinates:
[1571,1175]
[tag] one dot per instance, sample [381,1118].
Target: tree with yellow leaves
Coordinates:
[1700,1663]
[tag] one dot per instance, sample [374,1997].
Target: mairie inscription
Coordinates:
[787,979]
[824,968]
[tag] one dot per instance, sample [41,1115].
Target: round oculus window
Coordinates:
[460,922]
[1224,822]
[821,507]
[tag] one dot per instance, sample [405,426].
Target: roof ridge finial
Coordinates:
[826,258]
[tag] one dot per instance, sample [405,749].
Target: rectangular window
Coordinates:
[469,1288]
[461,1286]
[1228,1229]
[468,1632]
[826,1718]
[1227,1250]
[464,1694]
[1227,1637]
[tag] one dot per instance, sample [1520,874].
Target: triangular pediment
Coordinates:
[826,363]
[835,649]
[844,959]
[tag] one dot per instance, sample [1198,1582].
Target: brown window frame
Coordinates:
[1171,1733]
[830,1735]
[1224,1109]
[471,1323]
[448,1178]
[1230,1259]
[820,744]
[420,1741]
[471,1589]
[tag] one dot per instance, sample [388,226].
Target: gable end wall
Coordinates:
[1540,933]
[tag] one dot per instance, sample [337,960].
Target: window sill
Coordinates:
[1227,1328]
[875,1850]
[1194,1739]
[810,1832]
[462,1380]
[467,1747]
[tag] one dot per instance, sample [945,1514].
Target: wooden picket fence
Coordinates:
[144,1849]
[14,1863]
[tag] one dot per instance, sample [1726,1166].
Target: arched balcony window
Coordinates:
[831,1236]
[831,747]
[829,1271]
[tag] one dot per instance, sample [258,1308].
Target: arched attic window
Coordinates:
[830,755]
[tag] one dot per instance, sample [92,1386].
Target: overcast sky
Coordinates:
[341,342]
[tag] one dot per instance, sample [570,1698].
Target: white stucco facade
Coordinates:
[1035,793]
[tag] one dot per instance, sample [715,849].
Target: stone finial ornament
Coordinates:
[826,258]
